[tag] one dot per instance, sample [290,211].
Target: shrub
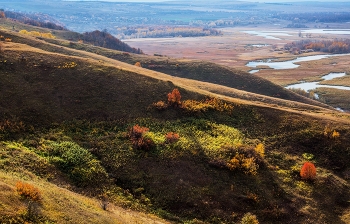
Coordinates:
[241,161]
[335,134]
[137,132]
[78,163]
[194,106]
[308,171]
[171,137]
[260,149]
[174,98]
[249,218]
[138,138]
[160,105]
[32,195]
[28,191]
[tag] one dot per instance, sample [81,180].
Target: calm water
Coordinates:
[307,86]
[290,64]
[267,34]
[253,71]
[328,31]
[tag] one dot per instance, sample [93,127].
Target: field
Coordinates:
[236,48]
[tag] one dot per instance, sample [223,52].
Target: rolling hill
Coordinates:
[83,124]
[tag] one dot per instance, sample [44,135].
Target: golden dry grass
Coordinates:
[64,206]
[204,88]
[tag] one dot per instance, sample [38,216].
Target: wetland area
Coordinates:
[261,53]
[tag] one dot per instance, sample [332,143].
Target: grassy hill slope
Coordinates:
[197,70]
[68,120]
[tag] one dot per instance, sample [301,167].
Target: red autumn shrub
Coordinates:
[171,137]
[174,98]
[139,141]
[137,131]
[308,171]
[28,191]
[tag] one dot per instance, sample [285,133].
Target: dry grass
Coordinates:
[64,206]
[342,81]
[335,97]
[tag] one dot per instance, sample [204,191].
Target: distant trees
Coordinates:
[2,14]
[39,20]
[322,17]
[336,46]
[165,31]
[107,40]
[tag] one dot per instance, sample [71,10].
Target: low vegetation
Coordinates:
[337,46]
[85,139]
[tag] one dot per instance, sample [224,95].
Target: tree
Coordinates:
[174,98]
[2,13]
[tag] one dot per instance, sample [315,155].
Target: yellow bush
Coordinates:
[249,218]
[247,164]
[335,134]
[37,34]
[24,32]
[260,149]
[48,35]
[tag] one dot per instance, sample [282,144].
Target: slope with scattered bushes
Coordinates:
[93,133]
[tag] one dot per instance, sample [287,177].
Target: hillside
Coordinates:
[80,126]
[190,69]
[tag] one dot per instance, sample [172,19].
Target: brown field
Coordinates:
[335,97]
[342,81]
[235,48]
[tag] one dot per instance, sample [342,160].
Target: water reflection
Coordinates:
[307,86]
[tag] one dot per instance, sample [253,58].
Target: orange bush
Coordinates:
[171,137]
[174,98]
[308,171]
[28,191]
[137,131]
[160,105]
[139,141]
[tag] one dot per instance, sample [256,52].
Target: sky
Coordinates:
[269,1]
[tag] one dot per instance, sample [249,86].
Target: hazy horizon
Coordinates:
[260,1]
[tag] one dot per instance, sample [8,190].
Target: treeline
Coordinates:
[296,25]
[158,32]
[107,40]
[322,17]
[37,19]
[337,46]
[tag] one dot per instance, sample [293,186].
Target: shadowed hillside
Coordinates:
[93,134]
